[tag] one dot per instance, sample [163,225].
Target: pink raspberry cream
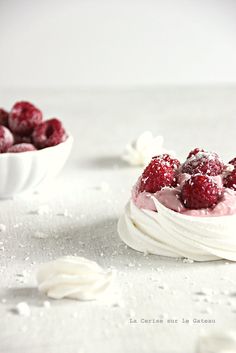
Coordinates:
[170,198]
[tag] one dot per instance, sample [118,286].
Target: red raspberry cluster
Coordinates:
[23,129]
[200,189]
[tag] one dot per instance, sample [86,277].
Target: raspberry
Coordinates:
[230,180]
[233,162]
[206,163]
[200,192]
[174,163]
[194,152]
[4,115]
[24,117]
[6,139]
[22,139]
[158,174]
[21,147]
[49,133]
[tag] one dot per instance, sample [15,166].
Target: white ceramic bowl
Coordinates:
[25,171]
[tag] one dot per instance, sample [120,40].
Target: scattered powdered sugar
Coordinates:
[225,291]
[42,210]
[118,304]
[131,313]
[46,304]
[21,277]
[45,210]
[163,286]
[40,235]
[22,309]
[228,168]
[65,213]
[158,269]
[207,311]
[17,225]
[230,302]
[164,316]
[104,187]
[214,297]
[204,291]
[3,227]
[22,274]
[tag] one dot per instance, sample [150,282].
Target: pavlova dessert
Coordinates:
[183,210]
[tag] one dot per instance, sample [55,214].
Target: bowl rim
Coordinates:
[69,139]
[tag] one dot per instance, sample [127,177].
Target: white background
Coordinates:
[117,43]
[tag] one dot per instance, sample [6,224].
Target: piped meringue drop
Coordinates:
[141,151]
[73,277]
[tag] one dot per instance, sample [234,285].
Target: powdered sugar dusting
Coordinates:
[22,309]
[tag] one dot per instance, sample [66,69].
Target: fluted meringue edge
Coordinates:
[172,234]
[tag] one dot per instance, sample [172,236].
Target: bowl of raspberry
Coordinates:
[32,150]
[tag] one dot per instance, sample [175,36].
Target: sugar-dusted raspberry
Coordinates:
[158,174]
[174,163]
[200,191]
[24,117]
[206,163]
[194,152]
[230,180]
[233,162]
[4,115]
[49,133]
[6,139]
[21,147]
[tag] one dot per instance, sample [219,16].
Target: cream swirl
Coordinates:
[73,277]
[173,234]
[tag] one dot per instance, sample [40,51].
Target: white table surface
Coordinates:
[102,122]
